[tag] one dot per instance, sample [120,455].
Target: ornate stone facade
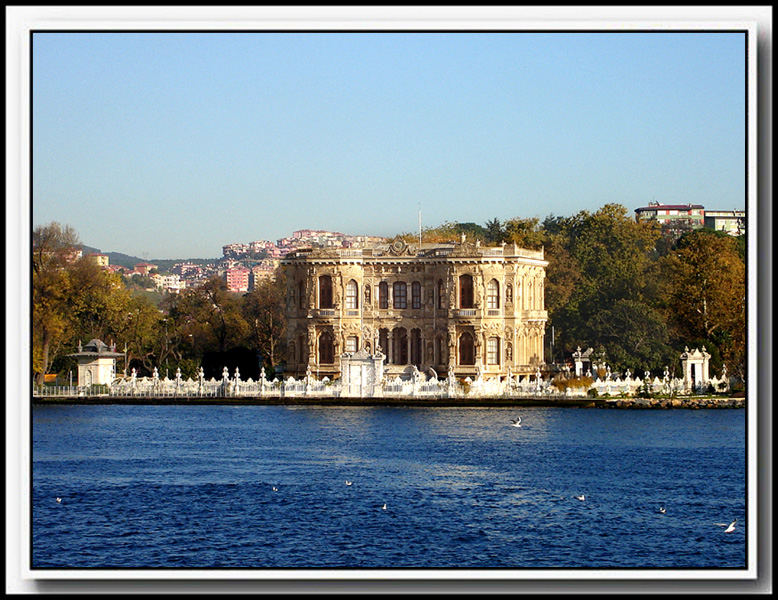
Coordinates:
[473,309]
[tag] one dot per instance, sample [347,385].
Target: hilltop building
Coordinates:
[237,278]
[144,268]
[732,222]
[476,310]
[681,217]
[672,214]
[101,260]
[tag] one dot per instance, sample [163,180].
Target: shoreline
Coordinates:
[693,403]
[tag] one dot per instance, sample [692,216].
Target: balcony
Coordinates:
[326,312]
[493,312]
[352,313]
[466,312]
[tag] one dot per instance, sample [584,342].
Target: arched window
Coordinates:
[465,291]
[352,295]
[383,342]
[383,295]
[326,349]
[441,294]
[493,294]
[325,292]
[415,295]
[400,346]
[493,351]
[466,349]
[400,295]
[416,347]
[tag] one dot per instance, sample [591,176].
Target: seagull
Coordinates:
[731,527]
[59,500]
[516,422]
[662,509]
[384,506]
[348,482]
[275,489]
[581,497]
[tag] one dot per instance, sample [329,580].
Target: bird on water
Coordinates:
[581,497]
[729,528]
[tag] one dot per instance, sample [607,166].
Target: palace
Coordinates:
[460,306]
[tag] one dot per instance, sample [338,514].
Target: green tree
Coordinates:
[495,232]
[210,315]
[633,335]
[54,246]
[264,312]
[703,292]
[525,233]
[596,260]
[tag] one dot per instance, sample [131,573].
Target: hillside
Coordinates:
[128,261]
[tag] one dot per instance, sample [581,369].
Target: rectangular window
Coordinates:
[400,295]
[351,343]
[351,295]
[493,351]
[416,295]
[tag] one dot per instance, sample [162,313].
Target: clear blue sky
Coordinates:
[168,145]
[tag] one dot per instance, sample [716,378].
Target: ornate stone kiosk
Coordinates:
[695,369]
[361,374]
[96,363]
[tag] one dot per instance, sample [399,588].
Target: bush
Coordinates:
[592,393]
[562,382]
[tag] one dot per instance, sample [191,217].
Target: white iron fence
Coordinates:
[418,386]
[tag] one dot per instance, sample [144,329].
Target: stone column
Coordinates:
[390,343]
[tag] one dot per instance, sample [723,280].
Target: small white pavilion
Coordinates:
[96,363]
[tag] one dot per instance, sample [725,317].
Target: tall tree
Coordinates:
[264,312]
[606,257]
[53,246]
[525,233]
[494,232]
[704,293]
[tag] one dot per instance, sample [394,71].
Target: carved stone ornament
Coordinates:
[400,248]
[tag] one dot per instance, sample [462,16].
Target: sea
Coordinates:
[322,487]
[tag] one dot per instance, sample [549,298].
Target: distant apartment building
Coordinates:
[237,278]
[185,269]
[144,268]
[680,217]
[73,255]
[169,283]
[101,260]
[672,215]
[235,250]
[732,222]
[265,270]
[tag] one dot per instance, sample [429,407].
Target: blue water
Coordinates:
[191,486]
